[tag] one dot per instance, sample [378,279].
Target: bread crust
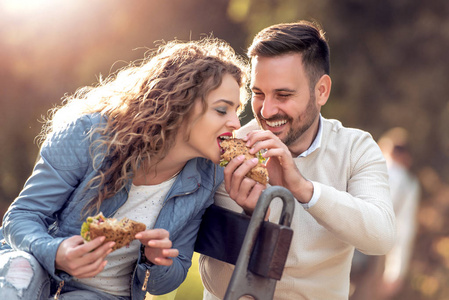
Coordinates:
[121,232]
[234,147]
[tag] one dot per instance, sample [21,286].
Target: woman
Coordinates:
[142,144]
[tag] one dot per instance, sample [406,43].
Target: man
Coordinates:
[337,175]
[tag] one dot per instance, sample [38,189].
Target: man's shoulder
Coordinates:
[335,127]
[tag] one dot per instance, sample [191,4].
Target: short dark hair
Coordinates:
[302,37]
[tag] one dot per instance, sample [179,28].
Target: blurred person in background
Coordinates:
[142,144]
[337,175]
[382,278]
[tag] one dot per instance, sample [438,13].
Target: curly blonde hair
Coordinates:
[145,106]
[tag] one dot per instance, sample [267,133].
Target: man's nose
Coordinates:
[269,108]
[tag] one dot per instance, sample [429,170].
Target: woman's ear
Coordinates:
[323,89]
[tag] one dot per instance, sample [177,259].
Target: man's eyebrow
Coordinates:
[285,90]
[254,88]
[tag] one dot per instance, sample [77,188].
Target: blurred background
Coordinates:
[388,65]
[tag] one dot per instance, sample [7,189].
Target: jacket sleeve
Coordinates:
[62,164]
[365,205]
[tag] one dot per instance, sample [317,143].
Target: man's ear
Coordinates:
[323,89]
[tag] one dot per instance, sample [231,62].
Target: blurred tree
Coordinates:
[388,69]
[54,48]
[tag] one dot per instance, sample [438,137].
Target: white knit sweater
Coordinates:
[353,210]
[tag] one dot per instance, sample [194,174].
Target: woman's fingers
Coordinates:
[158,246]
[98,253]
[90,270]
[152,234]
[170,252]
[93,262]
[81,259]
[164,243]
[162,261]
[162,257]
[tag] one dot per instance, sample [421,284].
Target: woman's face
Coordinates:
[220,119]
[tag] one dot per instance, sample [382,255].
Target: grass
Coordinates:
[190,289]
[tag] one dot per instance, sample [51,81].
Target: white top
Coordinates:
[143,205]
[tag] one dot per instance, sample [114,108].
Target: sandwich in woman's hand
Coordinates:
[233,147]
[121,232]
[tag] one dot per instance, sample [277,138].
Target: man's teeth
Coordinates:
[276,123]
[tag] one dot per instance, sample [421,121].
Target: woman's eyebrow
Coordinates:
[276,90]
[229,102]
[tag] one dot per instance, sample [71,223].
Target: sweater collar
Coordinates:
[317,141]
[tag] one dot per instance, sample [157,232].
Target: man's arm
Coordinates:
[364,205]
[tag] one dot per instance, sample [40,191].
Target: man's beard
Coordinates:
[295,133]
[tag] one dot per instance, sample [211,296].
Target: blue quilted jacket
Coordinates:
[48,210]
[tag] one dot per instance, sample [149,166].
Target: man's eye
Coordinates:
[284,95]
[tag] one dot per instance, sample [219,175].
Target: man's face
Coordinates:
[281,98]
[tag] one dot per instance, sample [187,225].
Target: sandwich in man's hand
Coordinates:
[233,147]
[121,232]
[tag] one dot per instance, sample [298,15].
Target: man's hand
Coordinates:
[158,246]
[243,190]
[282,170]
[82,260]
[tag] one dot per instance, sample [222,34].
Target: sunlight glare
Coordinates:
[26,6]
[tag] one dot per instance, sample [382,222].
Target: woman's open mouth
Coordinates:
[222,138]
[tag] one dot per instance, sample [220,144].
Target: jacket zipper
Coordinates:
[147,272]
[147,275]
[58,292]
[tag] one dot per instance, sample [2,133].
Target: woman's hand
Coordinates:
[82,260]
[158,246]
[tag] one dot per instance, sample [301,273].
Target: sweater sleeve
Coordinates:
[363,214]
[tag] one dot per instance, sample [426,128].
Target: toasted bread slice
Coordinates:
[121,232]
[235,147]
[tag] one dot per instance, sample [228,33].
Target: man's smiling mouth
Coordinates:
[275,123]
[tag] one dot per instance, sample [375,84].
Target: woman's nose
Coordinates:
[234,122]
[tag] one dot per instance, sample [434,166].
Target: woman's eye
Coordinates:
[221,111]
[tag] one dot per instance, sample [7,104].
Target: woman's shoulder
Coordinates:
[69,144]
[77,126]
